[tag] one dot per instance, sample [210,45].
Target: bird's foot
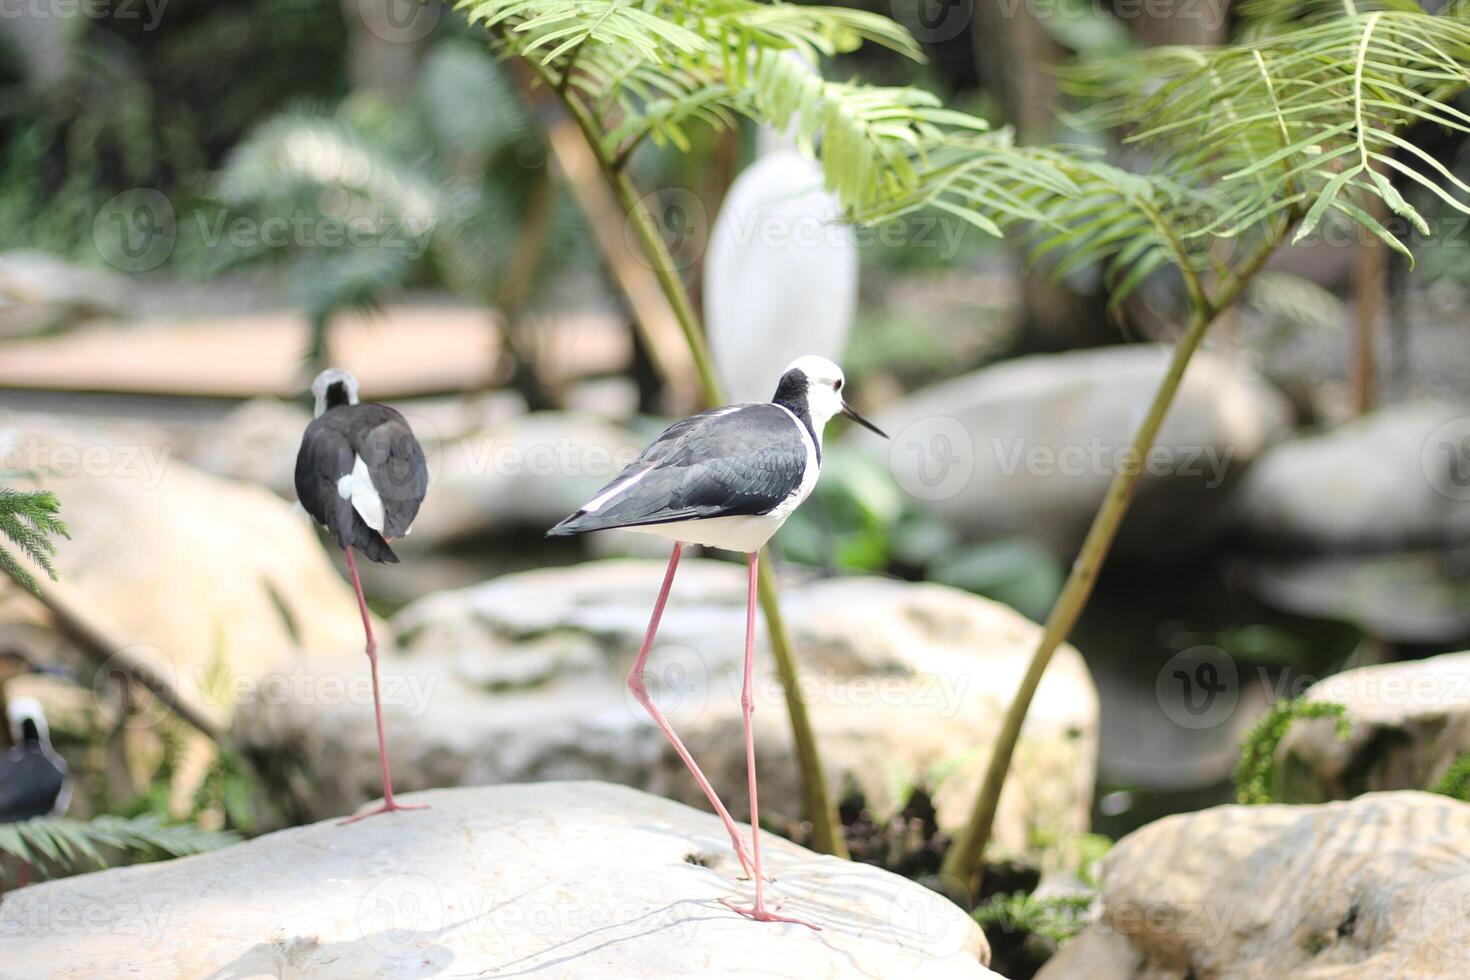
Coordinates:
[758,913]
[388,806]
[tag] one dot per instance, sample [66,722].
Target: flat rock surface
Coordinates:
[550,880]
[400,350]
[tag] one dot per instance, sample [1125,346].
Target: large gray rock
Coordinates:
[1401,597]
[1029,446]
[525,473]
[1360,523]
[255,443]
[522,678]
[1410,722]
[1396,478]
[564,880]
[1376,887]
[40,292]
[212,583]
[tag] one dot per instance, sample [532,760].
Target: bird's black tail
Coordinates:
[370,544]
[576,524]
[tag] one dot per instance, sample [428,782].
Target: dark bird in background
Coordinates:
[726,478]
[33,777]
[361,473]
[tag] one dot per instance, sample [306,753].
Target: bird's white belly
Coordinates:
[729,533]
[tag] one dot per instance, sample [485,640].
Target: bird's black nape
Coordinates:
[791,394]
[791,391]
[337,395]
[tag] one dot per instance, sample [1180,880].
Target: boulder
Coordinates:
[1029,446]
[1401,596]
[1395,479]
[563,880]
[211,582]
[256,443]
[523,474]
[522,678]
[1410,721]
[40,292]
[1374,887]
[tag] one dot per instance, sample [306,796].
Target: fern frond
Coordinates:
[1306,109]
[649,69]
[28,519]
[58,846]
[1255,772]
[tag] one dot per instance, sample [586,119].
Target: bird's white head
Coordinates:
[27,720]
[334,387]
[813,386]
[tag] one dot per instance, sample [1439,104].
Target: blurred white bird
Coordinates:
[781,277]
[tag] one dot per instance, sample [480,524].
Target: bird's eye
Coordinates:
[837,385]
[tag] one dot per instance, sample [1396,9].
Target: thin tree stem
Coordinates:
[826,828]
[963,861]
[667,275]
[820,810]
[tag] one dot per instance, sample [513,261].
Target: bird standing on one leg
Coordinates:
[361,474]
[725,478]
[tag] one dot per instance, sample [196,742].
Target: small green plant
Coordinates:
[1058,918]
[28,519]
[1255,773]
[58,846]
[1456,780]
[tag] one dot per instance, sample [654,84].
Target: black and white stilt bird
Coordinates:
[33,777]
[361,473]
[726,478]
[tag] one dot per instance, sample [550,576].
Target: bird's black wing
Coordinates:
[326,455]
[729,462]
[396,463]
[30,784]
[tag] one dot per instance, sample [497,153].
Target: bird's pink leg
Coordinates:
[389,804]
[636,685]
[758,911]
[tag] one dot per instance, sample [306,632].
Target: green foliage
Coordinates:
[1456,780]
[1255,773]
[1058,918]
[651,69]
[144,96]
[1015,571]
[424,191]
[28,519]
[1298,120]
[226,792]
[851,523]
[58,846]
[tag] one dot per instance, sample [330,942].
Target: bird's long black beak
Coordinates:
[850,413]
